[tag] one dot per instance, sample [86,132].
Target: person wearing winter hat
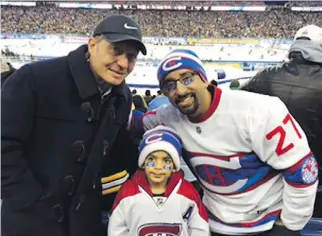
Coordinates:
[185,65]
[249,154]
[157,199]
[298,83]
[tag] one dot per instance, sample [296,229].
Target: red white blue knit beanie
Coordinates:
[180,59]
[161,138]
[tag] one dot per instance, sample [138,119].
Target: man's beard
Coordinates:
[191,110]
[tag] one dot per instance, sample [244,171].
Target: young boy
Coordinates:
[157,200]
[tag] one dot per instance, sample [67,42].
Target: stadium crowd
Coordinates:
[53,20]
[219,3]
[194,3]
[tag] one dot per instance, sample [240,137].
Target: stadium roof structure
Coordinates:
[144,1]
[205,3]
[161,1]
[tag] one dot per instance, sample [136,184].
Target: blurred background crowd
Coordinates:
[278,22]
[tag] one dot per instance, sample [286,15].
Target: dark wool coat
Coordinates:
[57,136]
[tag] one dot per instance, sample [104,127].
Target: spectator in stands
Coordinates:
[148,96]
[134,91]
[63,129]
[139,103]
[6,70]
[298,83]
[234,85]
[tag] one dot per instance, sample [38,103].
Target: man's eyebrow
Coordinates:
[186,73]
[181,75]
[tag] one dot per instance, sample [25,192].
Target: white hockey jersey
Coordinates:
[179,212]
[251,158]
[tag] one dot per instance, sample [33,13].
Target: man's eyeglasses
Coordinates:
[169,86]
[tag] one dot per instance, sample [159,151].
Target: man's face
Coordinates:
[112,62]
[158,167]
[189,94]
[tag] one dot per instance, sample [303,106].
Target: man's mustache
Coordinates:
[183,97]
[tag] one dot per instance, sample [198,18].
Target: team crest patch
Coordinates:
[310,170]
[160,229]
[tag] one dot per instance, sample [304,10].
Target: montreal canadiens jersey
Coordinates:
[179,212]
[251,158]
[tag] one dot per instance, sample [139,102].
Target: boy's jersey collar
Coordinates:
[140,179]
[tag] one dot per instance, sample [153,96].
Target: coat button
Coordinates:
[71,186]
[79,150]
[87,108]
[80,202]
[106,145]
[58,213]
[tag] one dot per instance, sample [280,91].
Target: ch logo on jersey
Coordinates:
[160,229]
[209,172]
[172,63]
[310,170]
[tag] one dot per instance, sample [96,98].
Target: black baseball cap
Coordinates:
[117,28]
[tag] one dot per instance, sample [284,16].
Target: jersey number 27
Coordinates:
[280,130]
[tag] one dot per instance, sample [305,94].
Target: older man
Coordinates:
[60,120]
